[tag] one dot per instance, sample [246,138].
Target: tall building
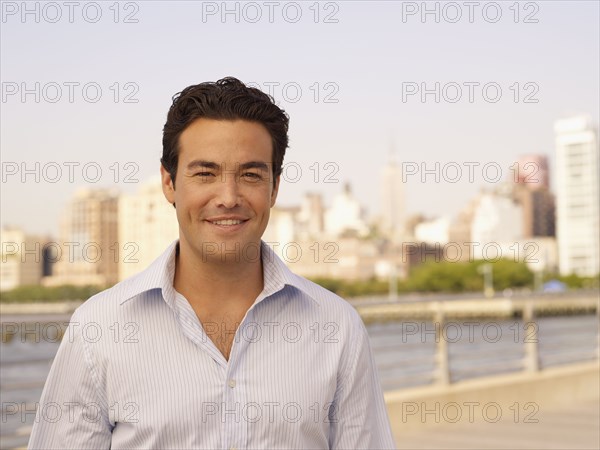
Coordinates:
[577,196]
[531,188]
[282,229]
[459,231]
[392,200]
[22,258]
[88,241]
[346,216]
[311,217]
[538,211]
[147,225]
[497,220]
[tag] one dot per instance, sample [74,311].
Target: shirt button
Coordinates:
[231,384]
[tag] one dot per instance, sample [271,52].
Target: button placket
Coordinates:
[235,425]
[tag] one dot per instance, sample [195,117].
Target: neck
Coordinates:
[216,284]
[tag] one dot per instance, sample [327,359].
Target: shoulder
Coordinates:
[111,303]
[322,302]
[330,303]
[125,296]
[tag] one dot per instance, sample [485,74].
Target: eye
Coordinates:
[252,176]
[204,177]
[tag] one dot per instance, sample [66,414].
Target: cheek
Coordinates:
[192,199]
[262,202]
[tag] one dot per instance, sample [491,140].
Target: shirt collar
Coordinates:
[160,274]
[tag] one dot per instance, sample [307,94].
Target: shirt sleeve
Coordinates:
[72,412]
[358,416]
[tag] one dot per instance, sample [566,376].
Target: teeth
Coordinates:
[227,222]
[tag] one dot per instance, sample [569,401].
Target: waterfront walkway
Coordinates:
[576,426]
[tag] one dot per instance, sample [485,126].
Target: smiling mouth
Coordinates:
[227,223]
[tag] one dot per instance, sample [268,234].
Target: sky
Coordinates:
[85,91]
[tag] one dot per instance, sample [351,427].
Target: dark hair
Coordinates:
[226,99]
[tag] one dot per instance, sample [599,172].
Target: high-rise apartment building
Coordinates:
[577,196]
[88,240]
[531,188]
[497,221]
[21,258]
[147,225]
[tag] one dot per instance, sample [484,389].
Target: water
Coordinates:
[405,354]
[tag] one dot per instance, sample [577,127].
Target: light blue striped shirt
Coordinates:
[136,369]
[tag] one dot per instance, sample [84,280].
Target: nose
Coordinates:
[228,194]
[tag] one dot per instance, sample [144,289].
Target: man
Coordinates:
[217,344]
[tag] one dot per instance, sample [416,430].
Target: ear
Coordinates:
[167,185]
[275,190]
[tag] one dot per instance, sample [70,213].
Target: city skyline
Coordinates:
[153,183]
[444,171]
[114,235]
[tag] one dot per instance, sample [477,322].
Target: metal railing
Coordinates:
[444,348]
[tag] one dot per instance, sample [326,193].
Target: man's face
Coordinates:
[224,188]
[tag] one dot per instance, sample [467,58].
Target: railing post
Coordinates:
[598,342]
[443,374]
[530,338]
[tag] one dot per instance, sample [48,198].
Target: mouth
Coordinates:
[228,224]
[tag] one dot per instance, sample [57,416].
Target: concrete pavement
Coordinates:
[576,426]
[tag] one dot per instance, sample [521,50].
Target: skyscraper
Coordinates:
[531,188]
[392,199]
[88,236]
[577,196]
[21,258]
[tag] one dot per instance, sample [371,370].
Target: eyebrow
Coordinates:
[199,163]
[254,165]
